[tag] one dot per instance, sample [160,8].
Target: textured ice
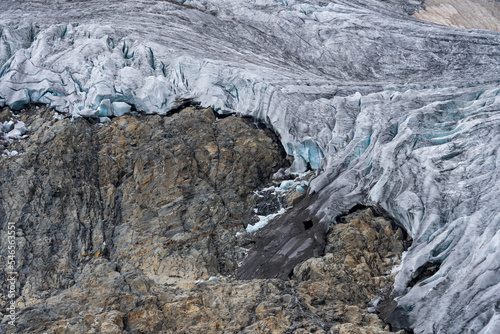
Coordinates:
[120,108]
[301,189]
[389,109]
[284,185]
[7,126]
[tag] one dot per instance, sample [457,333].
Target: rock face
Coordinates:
[129,226]
[291,239]
[119,205]
[467,14]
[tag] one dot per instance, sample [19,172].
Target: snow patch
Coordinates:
[263,221]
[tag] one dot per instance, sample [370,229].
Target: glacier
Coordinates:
[390,110]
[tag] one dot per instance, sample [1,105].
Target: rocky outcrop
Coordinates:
[467,14]
[130,226]
[107,210]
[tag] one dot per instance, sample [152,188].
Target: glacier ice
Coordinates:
[389,109]
[120,108]
[8,125]
[14,129]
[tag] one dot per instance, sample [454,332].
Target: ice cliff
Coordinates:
[391,110]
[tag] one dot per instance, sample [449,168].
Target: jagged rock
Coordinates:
[120,224]
[359,256]
[106,211]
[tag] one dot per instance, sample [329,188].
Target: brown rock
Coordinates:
[467,14]
[147,321]
[108,212]
[121,224]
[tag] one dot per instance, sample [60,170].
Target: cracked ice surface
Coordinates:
[392,110]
